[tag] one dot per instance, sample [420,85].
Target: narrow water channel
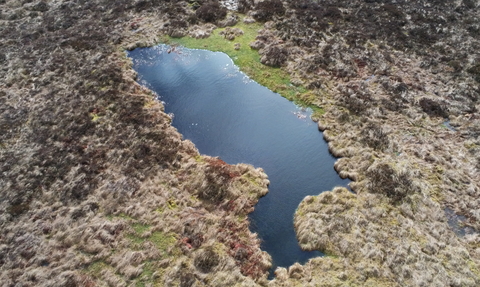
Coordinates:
[226,114]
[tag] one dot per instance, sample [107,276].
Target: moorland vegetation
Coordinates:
[98,189]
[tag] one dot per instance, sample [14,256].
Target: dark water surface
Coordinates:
[228,115]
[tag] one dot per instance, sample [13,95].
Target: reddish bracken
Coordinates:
[360,63]
[222,168]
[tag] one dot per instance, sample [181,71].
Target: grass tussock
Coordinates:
[99,190]
[347,221]
[96,184]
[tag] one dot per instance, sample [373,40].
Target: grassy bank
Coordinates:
[248,60]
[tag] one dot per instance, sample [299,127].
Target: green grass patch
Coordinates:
[241,217]
[146,278]
[136,236]
[96,268]
[121,215]
[317,112]
[140,228]
[473,267]
[172,204]
[137,241]
[248,60]
[251,179]
[162,241]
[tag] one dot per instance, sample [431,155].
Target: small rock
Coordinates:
[236,46]
[248,20]
[229,4]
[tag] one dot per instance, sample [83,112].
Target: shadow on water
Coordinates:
[228,115]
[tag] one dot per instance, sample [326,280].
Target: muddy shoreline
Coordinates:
[99,189]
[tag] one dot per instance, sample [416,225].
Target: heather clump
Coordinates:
[395,184]
[92,188]
[274,55]
[374,136]
[356,99]
[211,11]
[206,260]
[245,5]
[267,9]
[217,177]
[433,108]
[475,71]
[99,189]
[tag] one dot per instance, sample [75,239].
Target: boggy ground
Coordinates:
[388,75]
[98,189]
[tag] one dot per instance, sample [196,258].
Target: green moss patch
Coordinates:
[146,278]
[162,241]
[121,215]
[96,267]
[140,228]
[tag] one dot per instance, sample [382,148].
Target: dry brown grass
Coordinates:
[408,246]
[99,189]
